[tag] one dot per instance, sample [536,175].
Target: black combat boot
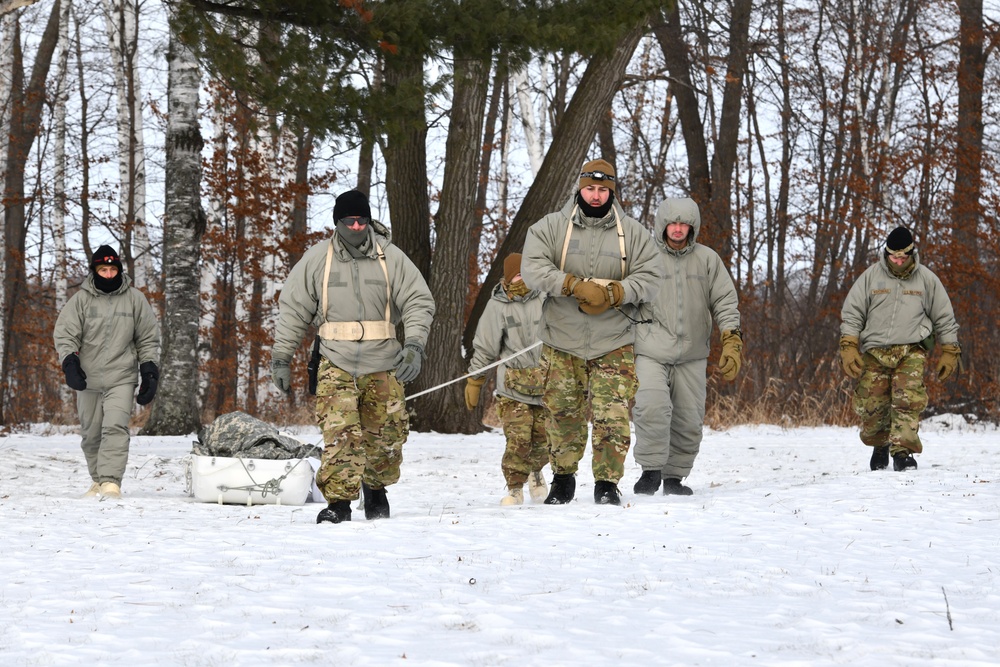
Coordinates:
[902,461]
[606,493]
[880,457]
[562,490]
[648,484]
[376,504]
[673,487]
[337,511]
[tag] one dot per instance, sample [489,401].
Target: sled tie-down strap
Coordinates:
[272,486]
[363,329]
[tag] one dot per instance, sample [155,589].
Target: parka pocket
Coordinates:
[527,381]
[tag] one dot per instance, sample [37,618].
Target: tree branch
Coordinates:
[8,6]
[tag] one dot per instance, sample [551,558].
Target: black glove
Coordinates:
[150,377]
[75,377]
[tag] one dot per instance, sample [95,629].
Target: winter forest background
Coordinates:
[208,139]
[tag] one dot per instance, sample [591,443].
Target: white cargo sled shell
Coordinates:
[238,481]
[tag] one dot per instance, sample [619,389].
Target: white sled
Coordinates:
[233,481]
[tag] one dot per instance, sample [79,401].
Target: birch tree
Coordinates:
[6,96]
[59,176]
[176,410]
[123,43]
[532,133]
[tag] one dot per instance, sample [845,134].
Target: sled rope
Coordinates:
[272,486]
[476,372]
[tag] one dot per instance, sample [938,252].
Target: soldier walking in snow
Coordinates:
[356,287]
[509,324]
[671,351]
[590,260]
[107,337]
[890,319]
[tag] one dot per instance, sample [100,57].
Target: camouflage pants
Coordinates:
[364,423]
[890,397]
[527,447]
[610,382]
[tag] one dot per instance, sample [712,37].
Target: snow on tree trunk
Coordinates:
[176,410]
[122,21]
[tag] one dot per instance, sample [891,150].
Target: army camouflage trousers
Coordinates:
[610,383]
[890,397]
[527,447]
[364,423]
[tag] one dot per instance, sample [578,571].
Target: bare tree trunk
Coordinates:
[175,410]
[449,280]
[489,139]
[560,169]
[300,205]
[967,209]
[719,223]
[406,165]
[25,116]
[671,38]
[366,152]
[977,318]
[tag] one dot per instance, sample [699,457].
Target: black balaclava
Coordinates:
[595,211]
[105,256]
[352,203]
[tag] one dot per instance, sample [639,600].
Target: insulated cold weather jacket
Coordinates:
[883,309]
[593,252]
[356,293]
[696,287]
[113,333]
[508,325]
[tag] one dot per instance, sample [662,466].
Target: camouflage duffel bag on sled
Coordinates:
[239,459]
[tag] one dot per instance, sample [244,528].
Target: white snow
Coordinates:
[791,552]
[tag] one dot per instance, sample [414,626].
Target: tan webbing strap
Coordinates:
[569,233]
[621,245]
[364,329]
[326,275]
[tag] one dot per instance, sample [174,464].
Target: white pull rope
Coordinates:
[476,372]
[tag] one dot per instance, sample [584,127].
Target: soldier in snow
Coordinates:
[890,319]
[356,287]
[590,260]
[104,334]
[671,351]
[509,324]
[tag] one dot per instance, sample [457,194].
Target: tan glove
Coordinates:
[472,388]
[850,357]
[951,358]
[593,298]
[731,358]
[615,293]
[569,284]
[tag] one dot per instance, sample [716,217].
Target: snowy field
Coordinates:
[791,552]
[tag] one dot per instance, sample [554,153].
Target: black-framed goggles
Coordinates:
[350,220]
[598,176]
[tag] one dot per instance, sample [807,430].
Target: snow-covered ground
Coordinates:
[791,552]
